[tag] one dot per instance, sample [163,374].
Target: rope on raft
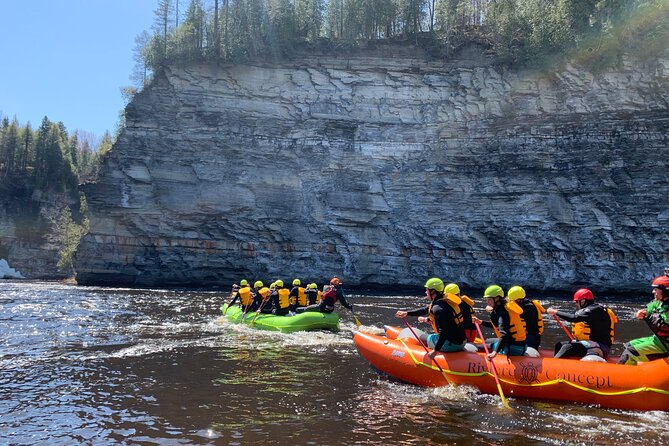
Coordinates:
[547,383]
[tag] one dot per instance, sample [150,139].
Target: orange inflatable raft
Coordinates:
[606,384]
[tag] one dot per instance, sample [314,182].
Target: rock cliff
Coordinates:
[29,239]
[387,169]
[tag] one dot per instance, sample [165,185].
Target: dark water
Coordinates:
[117,366]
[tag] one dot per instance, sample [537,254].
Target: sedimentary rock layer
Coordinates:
[387,170]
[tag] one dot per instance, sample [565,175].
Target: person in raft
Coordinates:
[257,298]
[446,317]
[593,326]
[265,305]
[234,294]
[531,315]
[466,308]
[279,299]
[298,298]
[313,295]
[506,321]
[331,294]
[657,317]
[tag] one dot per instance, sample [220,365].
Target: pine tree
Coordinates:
[24,157]
[11,145]
[162,36]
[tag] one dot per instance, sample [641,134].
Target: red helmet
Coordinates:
[661,282]
[335,281]
[583,293]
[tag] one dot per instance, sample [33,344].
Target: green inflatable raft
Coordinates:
[284,324]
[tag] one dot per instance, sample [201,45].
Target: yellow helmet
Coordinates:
[258,284]
[312,286]
[244,282]
[435,284]
[272,286]
[297,282]
[516,293]
[493,291]
[279,283]
[452,288]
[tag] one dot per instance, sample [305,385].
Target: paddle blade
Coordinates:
[505,402]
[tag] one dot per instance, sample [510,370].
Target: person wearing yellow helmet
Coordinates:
[444,314]
[506,322]
[298,298]
[279,299]
[467,309]
[312,293]
[256,296]
[656,315]
[592,327]
[531,315]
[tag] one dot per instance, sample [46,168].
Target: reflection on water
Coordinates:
[110,366]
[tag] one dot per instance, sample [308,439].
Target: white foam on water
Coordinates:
[456,393]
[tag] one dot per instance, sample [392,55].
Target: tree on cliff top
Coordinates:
[518,31]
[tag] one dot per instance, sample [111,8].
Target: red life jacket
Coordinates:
[330,294]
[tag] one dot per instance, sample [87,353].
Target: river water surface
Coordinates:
[119,366]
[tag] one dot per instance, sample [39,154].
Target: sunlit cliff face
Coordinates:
[386,171]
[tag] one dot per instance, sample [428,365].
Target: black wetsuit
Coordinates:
[235,293]
[500,318]
[312,295]
[445,323]
[255,303]
[531,317]
[293,298]
[599,321]
[275,306]
[467,313]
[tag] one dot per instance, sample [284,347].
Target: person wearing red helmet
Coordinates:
[592,327]
[656,315]
[331,294]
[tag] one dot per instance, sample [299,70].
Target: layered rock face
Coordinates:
[387,169]
[29,240]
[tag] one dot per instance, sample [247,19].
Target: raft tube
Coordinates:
[606,384]
[285,324]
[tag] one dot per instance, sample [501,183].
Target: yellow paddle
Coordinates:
[427,351]
[492,367]
[258,312]
[357,321]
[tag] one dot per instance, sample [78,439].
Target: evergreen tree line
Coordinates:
[524,31]
[49,157]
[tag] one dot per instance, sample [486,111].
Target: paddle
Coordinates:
[232,297]
[492,367]
[428,352]
[245,310]
[559,322]
[262,304]
[357,321]
[655,333]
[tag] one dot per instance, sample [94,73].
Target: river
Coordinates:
[83,365]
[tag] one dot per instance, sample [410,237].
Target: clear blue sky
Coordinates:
[68,59]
